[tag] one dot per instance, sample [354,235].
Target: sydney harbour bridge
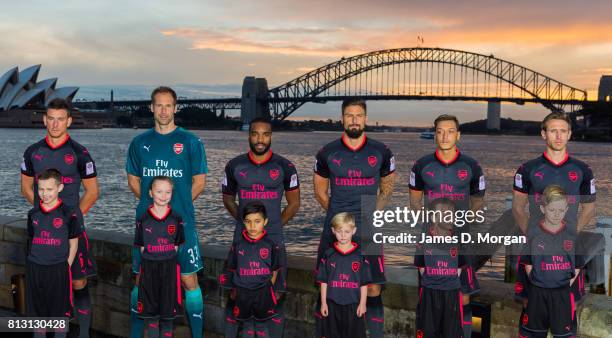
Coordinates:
[396,74]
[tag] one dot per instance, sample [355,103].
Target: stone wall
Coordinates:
[111,291]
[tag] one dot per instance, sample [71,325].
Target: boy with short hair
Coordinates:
[159,233]
[53,230]
[344,275]
[552,267]
[439,312]
[251,268]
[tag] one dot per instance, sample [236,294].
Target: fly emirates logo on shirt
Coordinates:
[255,269]
[161,169]
[258,192]
[354,179]
[163,245]
[344,282]
[558,264]
[46,239]
[441,269]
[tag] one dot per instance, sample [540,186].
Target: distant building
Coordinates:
[23,98]
[20,90]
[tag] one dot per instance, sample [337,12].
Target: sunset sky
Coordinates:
[210,46]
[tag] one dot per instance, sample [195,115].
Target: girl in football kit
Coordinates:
[551,266]
[344,275]
[251,269]
[159,233]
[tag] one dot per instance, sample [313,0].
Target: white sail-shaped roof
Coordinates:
[66,93]
[9,79]
[27,80]
[20,89]
[39,92]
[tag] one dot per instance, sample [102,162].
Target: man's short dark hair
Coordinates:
[556,116]
[59,103]
[163,90]
[255,207]
[446,117]
[260,120]
[354,102]
[51,173]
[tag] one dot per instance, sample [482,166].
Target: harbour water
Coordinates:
[499,156]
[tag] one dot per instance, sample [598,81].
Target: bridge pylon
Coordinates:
[254,101]
[494,115]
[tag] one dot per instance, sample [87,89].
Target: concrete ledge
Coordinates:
[111,291]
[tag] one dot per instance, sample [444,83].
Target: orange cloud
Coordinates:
[262,41]
[342,41]
[537,47]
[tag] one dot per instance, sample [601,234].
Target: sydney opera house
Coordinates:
[23,98]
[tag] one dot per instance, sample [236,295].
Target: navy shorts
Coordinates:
[48,290]
[258,304]
[159,289]
[553,309]
[84,265]
[439,313]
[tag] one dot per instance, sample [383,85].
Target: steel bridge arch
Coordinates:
[551,93]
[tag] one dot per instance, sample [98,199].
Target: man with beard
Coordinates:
[169,150]
[346,170]
[261,175]
[555,166]
[59,151]
[450,174]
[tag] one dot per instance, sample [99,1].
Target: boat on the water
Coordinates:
[427,135]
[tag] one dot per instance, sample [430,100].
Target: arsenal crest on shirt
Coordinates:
[518,287]
[568,245]
[178,148]
[69,159]
[355,266]
[573,176]
[372,160]
[263,253]
[171,229]
[462,174]
[222,279]
[453,252]
[274,173]
[57,222]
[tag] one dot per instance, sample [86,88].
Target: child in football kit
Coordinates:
[344,275]
[251,270]
[53,230]
[552,267]
[439,310]
[159,233]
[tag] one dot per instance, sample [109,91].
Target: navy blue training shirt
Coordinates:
[552,255]
[352,173]
[70,158]
[574,176]
[159,235]
[264,181]
[344,272]
[50,231]
[455,180]
[251,262]
[440,262]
